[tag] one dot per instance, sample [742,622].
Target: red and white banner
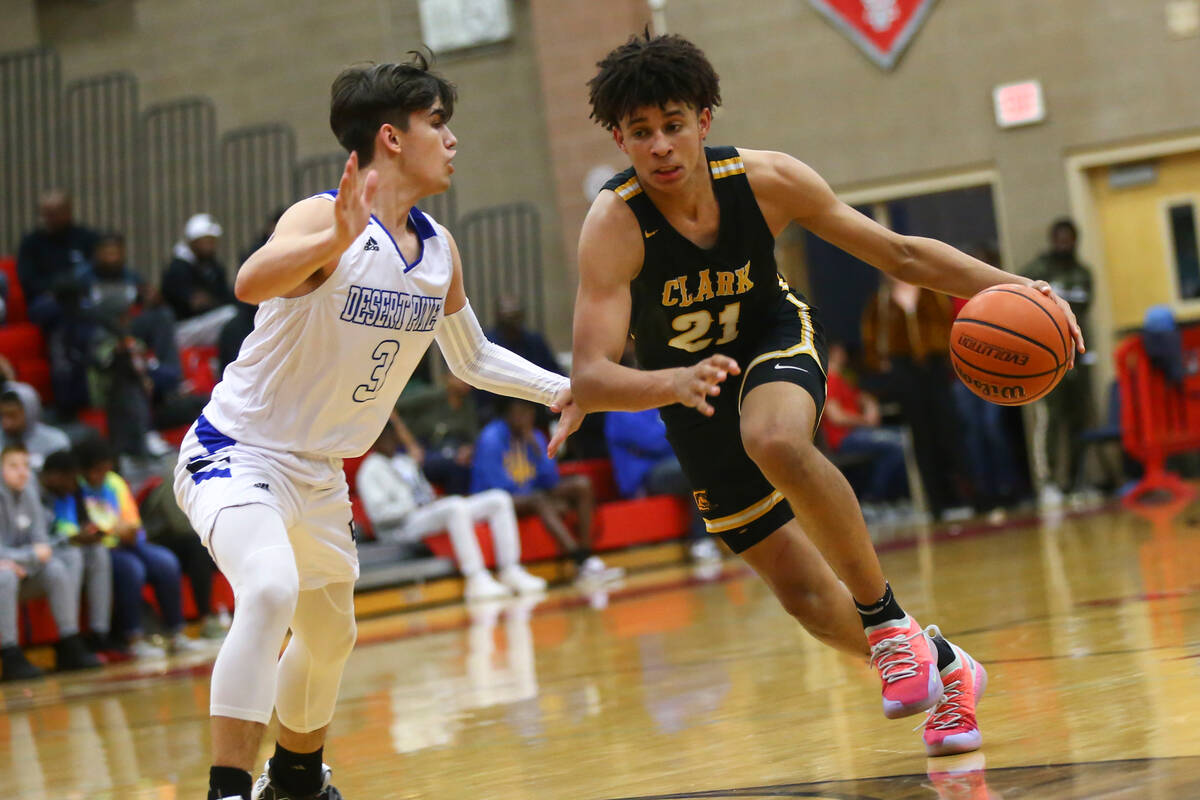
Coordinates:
[881,28]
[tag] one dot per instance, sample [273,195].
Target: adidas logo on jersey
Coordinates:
[371,244]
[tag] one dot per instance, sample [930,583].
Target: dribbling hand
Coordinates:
[695,384]
[352,209]
[1076,331]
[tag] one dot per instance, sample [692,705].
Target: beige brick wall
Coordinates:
[18,25]
[273,61]
[791,82]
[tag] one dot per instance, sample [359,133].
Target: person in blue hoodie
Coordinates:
[511,455]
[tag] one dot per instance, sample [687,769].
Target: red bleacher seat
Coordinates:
[22,340]
[599,472]
[94,418]
[199,368]
[36,372]
[350,467]
[16,295]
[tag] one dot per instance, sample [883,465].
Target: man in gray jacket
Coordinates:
[19,425]
[29,569]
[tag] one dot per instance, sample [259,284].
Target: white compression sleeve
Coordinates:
[488,366]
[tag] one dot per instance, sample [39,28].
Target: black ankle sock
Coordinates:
[296,773]
[945,652]
[885,609]
[228,782]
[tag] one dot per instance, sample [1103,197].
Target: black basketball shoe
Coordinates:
[264,789]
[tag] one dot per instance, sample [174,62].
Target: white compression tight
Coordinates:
[252,549]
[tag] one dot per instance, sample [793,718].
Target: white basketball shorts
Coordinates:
[310,494]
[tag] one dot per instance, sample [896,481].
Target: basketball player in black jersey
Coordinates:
[680,249]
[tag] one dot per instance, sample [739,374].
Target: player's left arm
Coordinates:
[789,190]
[488,366]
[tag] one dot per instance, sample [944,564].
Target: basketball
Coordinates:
[1010,344]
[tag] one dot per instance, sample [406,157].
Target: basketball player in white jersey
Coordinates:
[352,289]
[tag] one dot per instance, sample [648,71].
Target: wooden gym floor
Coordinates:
[674,686]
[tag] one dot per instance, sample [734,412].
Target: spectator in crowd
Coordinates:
[906,337]
[511,455]
[1067,411]
[19,425]
[987,440]
[57,249]
[29,395]
[510,332]
[109,505]
[852,426]
[445,421]
[116,290]
[81,548]
[402,507]
[123,384]
[71,331]
[29,568]
[168,526]
[195,282]
[644,463]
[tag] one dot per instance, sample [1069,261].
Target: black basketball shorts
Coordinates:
[737,501]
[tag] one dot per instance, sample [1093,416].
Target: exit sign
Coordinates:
[1019,103]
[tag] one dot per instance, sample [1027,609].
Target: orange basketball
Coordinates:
[1009,344]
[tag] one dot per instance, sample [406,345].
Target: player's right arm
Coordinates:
[309,240]
[610,257]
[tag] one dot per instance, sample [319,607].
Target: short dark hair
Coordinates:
[60,461]
[11,396]
[13,447]
[652,71]
[1064,223]
[92,451]
[364,97]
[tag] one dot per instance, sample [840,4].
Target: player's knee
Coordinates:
[776,450]
[9,582]
[273,594]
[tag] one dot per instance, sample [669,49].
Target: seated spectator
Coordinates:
[167,525]
[196,286]
[29,568]
[115,290]
[109,505]
[445,422]
[195,282]
[511,455]
[19,425]
[81,548]
[57,249]
[643,463]
[29,395]
[510,332]
[402,507]
[851,423]
[70,339]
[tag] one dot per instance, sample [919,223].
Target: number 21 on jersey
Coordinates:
[382,357]
[694,328]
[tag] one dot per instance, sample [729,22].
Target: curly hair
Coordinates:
[652,71]
[366,96]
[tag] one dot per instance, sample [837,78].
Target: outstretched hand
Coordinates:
[356,195]
[696,384]
[571,416]
[1076,332]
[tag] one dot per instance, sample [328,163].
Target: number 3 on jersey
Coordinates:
[384,356]
[693,328]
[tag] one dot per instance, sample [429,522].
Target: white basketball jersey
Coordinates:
[320,373]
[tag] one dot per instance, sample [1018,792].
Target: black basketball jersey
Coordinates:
[688,302]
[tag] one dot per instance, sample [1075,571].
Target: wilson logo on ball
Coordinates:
[1010,344]
[993,351]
